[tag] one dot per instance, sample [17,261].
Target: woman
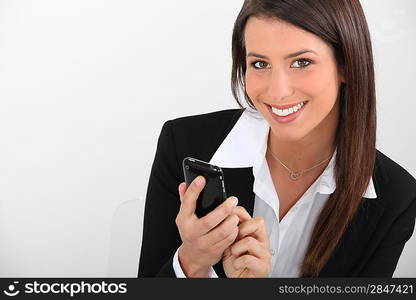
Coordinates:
[315,197]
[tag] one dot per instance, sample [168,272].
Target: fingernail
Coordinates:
[199,180]
[235,201]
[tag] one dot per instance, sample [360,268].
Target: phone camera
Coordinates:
[187,167]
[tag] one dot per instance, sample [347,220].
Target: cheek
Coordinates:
[322,87]
[254,85]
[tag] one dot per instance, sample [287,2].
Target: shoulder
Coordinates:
[395,185]
[200,135]
[220,119]
[395,174]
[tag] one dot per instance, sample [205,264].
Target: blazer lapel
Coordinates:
[239,183]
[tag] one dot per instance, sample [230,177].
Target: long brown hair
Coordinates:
[342,24]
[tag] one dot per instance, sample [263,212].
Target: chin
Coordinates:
[289,135]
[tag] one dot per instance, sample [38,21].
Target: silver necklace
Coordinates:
[295,175]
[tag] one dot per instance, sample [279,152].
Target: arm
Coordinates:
[160,237]
[384,260]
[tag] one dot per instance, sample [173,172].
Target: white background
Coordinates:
[85,87]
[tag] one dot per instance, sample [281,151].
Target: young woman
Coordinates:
[310,194]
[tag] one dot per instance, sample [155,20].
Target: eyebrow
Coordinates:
[297,53]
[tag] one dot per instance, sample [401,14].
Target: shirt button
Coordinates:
[272,252]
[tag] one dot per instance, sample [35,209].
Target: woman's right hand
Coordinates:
[203,239]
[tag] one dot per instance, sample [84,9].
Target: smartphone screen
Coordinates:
[213,193]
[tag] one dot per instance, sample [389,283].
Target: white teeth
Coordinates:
[287,111]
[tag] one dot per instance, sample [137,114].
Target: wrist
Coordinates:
[189,268]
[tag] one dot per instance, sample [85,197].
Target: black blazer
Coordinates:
[370,247]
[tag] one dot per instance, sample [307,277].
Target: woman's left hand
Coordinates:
[249,256]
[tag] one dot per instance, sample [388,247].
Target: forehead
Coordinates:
[273,35]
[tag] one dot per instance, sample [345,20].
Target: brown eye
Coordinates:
[259,64]
[301,63]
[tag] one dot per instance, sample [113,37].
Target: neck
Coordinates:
[298,156]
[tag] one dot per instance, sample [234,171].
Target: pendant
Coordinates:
[295,175]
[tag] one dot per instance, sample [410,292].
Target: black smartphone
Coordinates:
[213,193]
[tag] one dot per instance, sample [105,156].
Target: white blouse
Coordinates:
[245,146]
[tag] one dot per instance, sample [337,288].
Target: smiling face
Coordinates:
[292,79]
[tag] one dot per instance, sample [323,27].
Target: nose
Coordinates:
[280,86]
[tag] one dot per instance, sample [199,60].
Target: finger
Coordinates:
[255,227]
[255,265]
[242,214]
[252,246]
[182,189]
[215,217]
[227,241]
[190,196]
[222,231]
